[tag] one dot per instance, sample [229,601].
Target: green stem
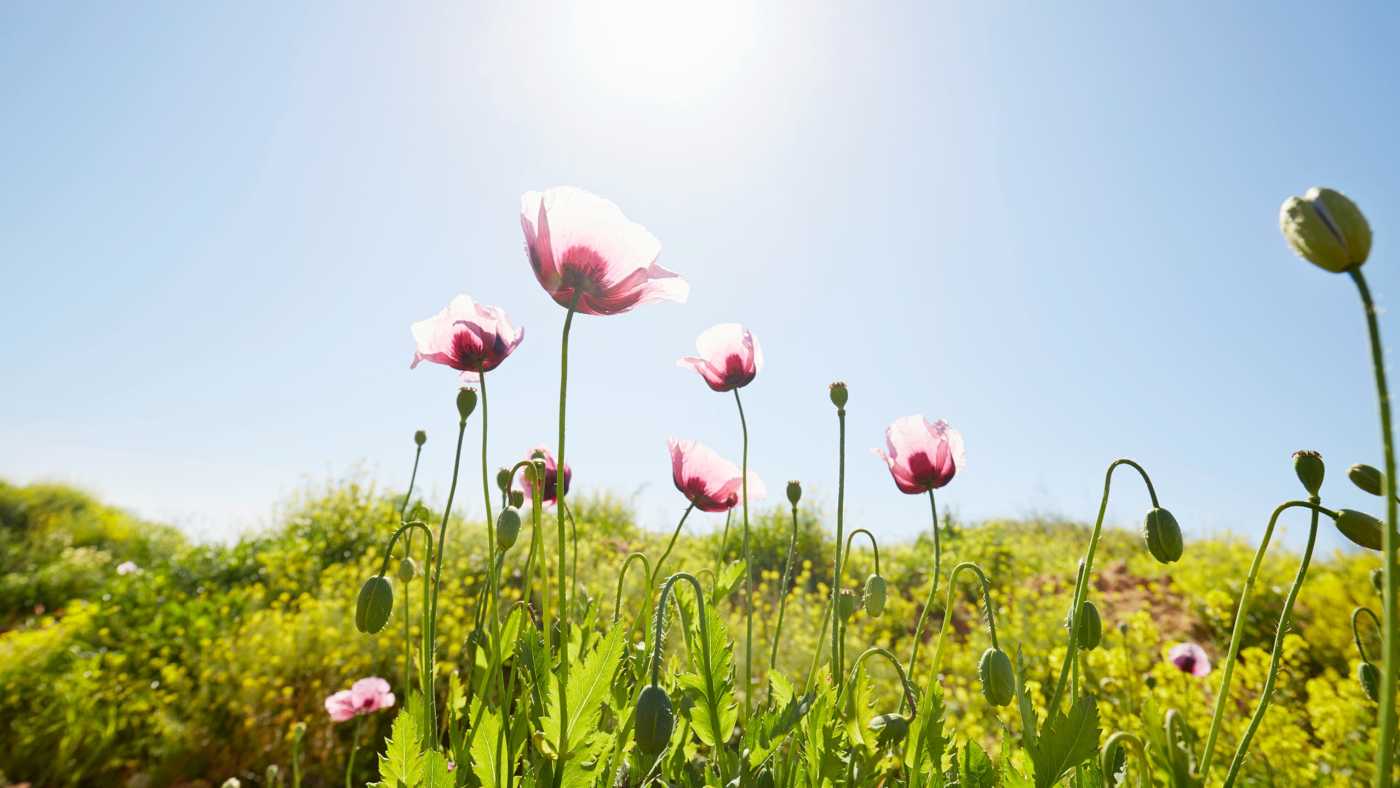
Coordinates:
[965,566]
[622,576]
[711,696]
[1356,631]
[932,589]
[559,493]
[407,600]
[354,749]
[1385,752]
[1283,622]
[486,480]
[907,689]
[1131,742]
[783,594]
[431,645]
[1237,633]
[748,568]
[655,572]
[723,541]
[836,672]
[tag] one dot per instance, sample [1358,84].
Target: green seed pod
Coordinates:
[1361,528]
[466,402]
[1162,536]
[656,719]
[874,598]
[1370,679]
[890,729]
[407,570]
[503,479]
[847,603]
[794,492]
[838,394]
[1308,465]
[507,528]
[1326,229]
[374,605]
[998,678]
[1378,580]
[420,437]
[517,498]
[1367,479]
[1090,632]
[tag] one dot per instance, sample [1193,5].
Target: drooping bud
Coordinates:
[503,479]
[656,719]
[890,729]
[874,598]
[1370,679]
[1162,535]
[1378,580]
[507,528]
[1367,479]
[998,678]
[847,602]
[466,402]
[1361,528]
[794,492]
[407,570]
[517,498]
[1090,629]
[420,437]
[838,394]
[1308,465]
[375,603]
[1326,229]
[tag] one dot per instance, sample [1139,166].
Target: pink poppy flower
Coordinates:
[729,357]
[1190,658]
[582,247]
[364,696]
[550,493]
[709,481]
[467,336]
[922,456]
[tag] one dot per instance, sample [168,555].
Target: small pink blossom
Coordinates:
[709,481]
[364,697]
[586,252]
[729,358]
[922,456]
[1189,658]
[550,493]
[466,336]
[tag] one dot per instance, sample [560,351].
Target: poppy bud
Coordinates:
[656,719]
[838,394]
[1370,679]
[1090,630]
[794,492]
[374,605]
[1308,465]
[998,678]
[874,599]
[466,402]
[1361,528]
[1326,229]
[890,729]
[847,602]
[517,498]
[503,479]
[1162,535]
[507,528]
[420,437]
[1367,479]
[407,570]
[1378,580]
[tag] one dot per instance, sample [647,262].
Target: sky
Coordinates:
[1054,226]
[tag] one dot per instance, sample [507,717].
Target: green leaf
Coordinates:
[715,684]
[402,761]
[588,687]
[727,582]
[484,762]
[858,706]
[926,733]
[976,769]
[1066,741]
[436,773]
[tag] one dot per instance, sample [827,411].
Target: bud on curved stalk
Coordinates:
[890,729]
[874,598]
[507,528]
[794,492]
[1090,632]
[709,693]
[503,479]
[656,720]
[516,499]
[997,676]
[375,603]
[1366,673]
[407,571]
[1310,469]
[1361,528]
[847,603]
[1378,580]
[1367,479]
[1326,229]
[420,437]
[466,402]
[1162,536]
[1370,677]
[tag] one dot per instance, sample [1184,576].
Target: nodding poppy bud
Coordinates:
[1162,535]
[1090,629]
[998,679]
[466,402]
[407,570]
[503,479]
[374,605]
[847,602]
[1326,229]
[890,729]
[874,599]
[1308,465]
[794,492]
[507,528]
[838,394]
[1370,679]
[1367,479]
[656,719]
[420,437]
[517,498]
[1378,580]
[1361,528]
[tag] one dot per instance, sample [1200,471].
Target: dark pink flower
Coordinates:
[709,481]
[550,493]
[467,336]
[922,456]
[582,247]
[1190,658]
[364,696]
[729,357]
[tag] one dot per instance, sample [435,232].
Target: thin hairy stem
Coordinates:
[783,594]
[559,492]
[836,673]
[748,567]
[932,589]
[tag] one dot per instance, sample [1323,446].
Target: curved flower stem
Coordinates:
[1356,631]
[748,567]
[431,645]
[783,594]
[1385,752]
[622,576]
[1131,742]
[932,589]
[874,547]
[710,693]
[1283,621]
[1241,610]
[723,541]
[1082,584]
[560,492]
[836,672]
[407,553]
[907,689]
[655,571]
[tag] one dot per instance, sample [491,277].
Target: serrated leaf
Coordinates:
[402,761]
[484,760]
[976,769]
[1023,699]
[715,723]
[588,687]
[857,711]
[1066,741]
[727,582]
[436,773]
[926,733]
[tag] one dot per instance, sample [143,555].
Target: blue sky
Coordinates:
[1054,227]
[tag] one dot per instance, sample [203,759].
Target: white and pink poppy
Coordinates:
[550,491]
[365,696]
[922,456]
[707,480]
[729,357]
[1189,658]
[469,337]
